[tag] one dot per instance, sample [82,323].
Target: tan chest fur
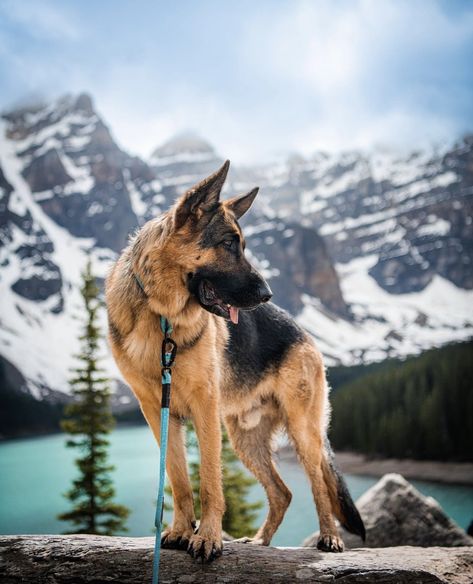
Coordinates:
[197,373]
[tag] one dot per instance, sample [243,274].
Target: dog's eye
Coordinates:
[228,243]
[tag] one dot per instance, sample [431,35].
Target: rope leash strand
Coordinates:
[168,354]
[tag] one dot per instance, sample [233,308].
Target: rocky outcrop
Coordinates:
[74,169]
[396,514]
[90,559]
[184,159]
[37,276]
[299,261]
[46,172]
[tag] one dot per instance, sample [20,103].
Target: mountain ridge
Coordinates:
[67,189]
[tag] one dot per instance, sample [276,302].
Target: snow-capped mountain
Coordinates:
[284,251]
[399,231]
[413,212]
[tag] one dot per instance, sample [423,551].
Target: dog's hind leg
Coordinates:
[253,446]
[179,533]
[304,399]
[309,447]
[305,405]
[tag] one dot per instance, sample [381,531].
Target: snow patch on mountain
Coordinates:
[38,339]
[388,325]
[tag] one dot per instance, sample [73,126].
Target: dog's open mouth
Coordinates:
[210,300]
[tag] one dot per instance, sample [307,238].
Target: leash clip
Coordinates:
[168,352]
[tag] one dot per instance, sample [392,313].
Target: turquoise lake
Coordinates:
[35,472]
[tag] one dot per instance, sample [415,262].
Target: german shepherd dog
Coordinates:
[240,359]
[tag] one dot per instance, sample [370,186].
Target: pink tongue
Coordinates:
[234,314]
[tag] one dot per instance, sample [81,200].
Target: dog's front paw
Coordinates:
[330,543]
[176,538]
[207,548]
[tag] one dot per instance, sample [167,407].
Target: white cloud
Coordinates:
[397,129]
[373,69]
[301,75]
[314,44]
[42,19]
[141,130]
[368,73]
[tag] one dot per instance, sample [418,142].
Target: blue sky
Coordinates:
[257,79]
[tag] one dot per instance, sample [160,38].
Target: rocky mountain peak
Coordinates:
[185,143]
[85,104]
[30,119]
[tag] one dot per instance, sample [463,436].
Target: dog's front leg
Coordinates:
[207,542]
[180,532]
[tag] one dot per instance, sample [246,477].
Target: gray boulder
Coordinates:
[397,514]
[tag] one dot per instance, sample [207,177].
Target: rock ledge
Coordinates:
[86,559]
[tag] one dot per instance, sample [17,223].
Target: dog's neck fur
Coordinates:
[188,318]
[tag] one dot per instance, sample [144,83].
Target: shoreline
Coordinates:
[457,473]
[453,473]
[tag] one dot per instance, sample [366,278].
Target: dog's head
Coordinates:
[212,245]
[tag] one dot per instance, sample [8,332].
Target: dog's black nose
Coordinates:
[264,292]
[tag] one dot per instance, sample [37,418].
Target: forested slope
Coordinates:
[418,408]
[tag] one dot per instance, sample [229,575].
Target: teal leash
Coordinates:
[168,354]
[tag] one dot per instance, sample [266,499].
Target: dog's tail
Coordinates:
[342,504]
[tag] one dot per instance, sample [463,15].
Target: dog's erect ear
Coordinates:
[240,205]
[200,197]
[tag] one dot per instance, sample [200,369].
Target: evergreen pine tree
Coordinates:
[89,420]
